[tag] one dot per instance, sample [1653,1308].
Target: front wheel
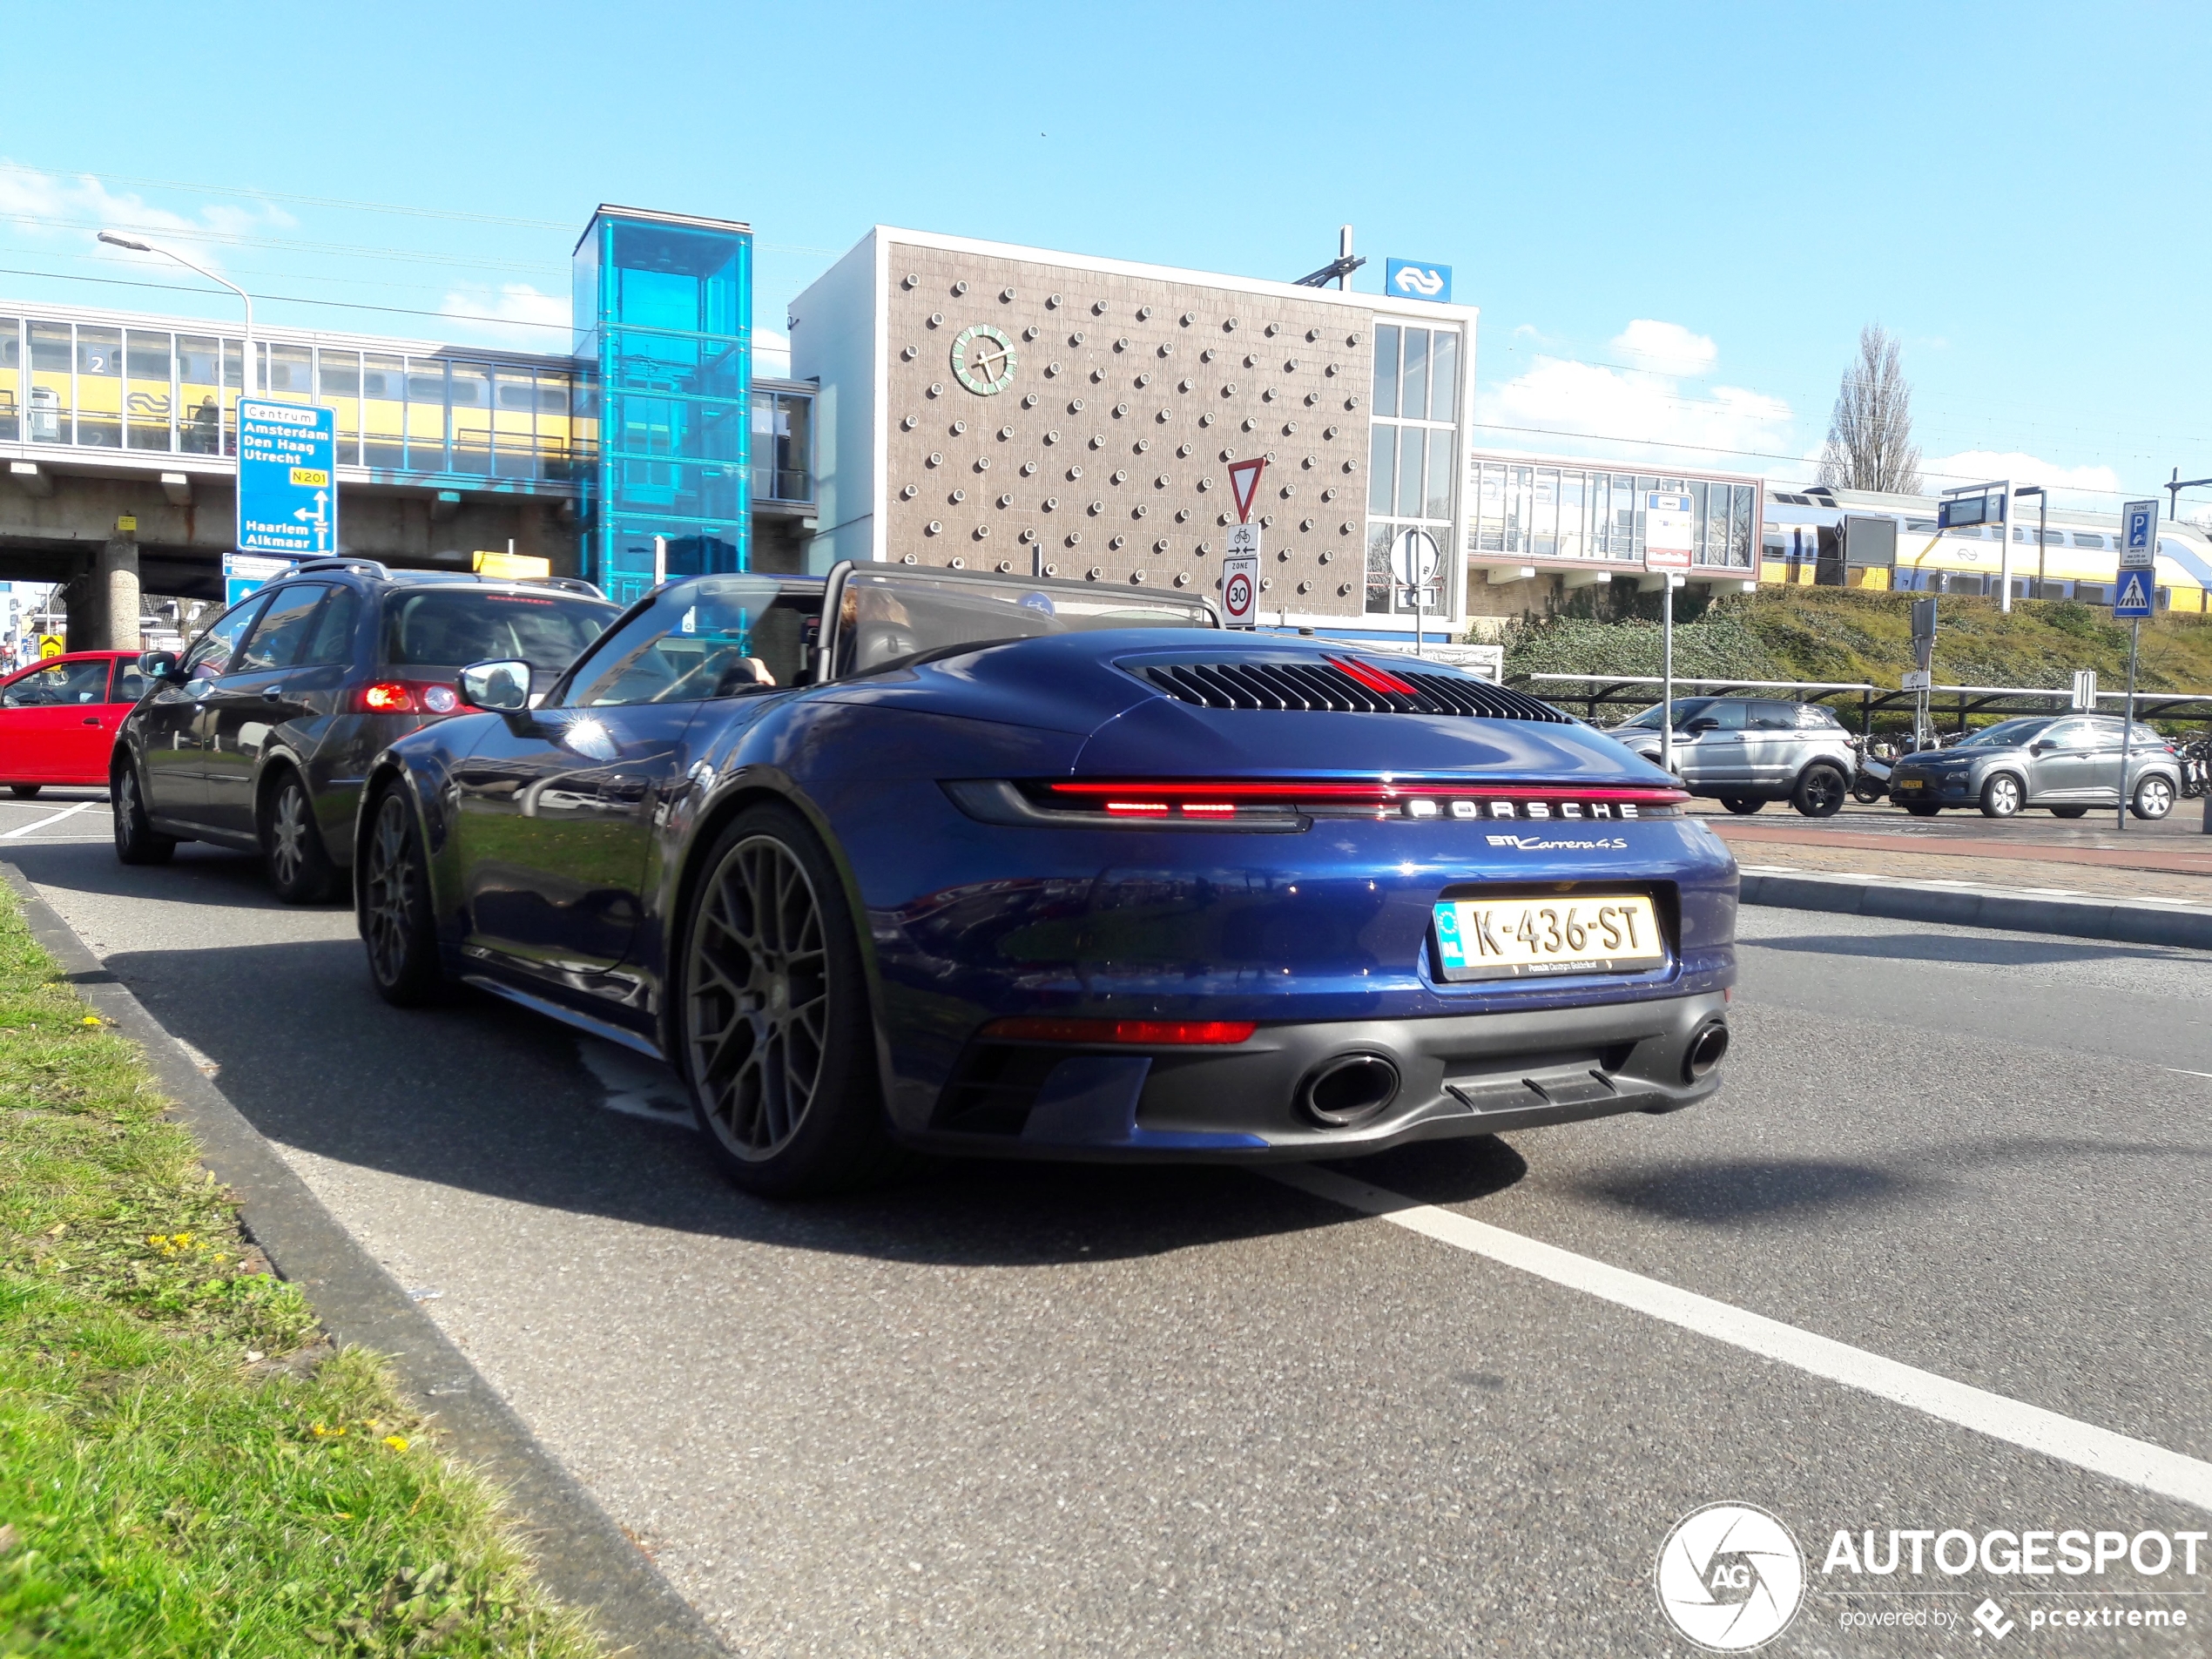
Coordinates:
[1820,792]
[773,1035]
[2153,798]
[25,792]
[397,925]
[299,868]
[2000,796]
[135,839]
[1742,805]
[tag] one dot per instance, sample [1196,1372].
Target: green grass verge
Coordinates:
[186,1467]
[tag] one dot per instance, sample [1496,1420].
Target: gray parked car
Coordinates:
[2066,762]
[1745,751]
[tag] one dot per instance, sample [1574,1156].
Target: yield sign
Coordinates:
[1244,484]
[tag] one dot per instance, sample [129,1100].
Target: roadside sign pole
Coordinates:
[2134,597]
[2128,731]
[1667,672]
[1669,546]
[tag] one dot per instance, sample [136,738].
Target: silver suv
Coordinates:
[1745,751]
[2068,763]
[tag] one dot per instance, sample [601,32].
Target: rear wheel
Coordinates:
[25,792]
[1742,805]
[2153,798]
[397,925]
[773,1035]
[1820,792]
[2068,812]
[1866,789]
[298,865]
[2000,796]
[135,839]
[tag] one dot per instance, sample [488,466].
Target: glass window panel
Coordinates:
[147,395]
[469,387]
[1410,448]
[1380,585]
[338,385]
[1438,502]
[514,429]
[1573,507]
[1382,466]
[283,630]
[383,412]
[1700,536]
[556,442]
[1414,388]
[426,414]
[99,387]
[1739,527]
[11,380]
[200,395]
[233,379]
[1490,507]
[290,375]
[1543,531]
[1444,377]
[1386,368]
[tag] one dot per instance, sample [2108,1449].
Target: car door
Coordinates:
[1770,744]
[47,715]
[2101,768]
[1711,749]
[556,807]
[169,723]
[2062,763]
[250,701]
[95,735]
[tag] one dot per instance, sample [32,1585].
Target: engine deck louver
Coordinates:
[1327,686]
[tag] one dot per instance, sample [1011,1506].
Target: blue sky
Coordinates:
[1676,220]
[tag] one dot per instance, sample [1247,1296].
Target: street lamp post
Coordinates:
[249,387]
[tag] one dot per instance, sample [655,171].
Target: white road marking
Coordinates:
[53,818]
[2100,1451]
[2184,1071]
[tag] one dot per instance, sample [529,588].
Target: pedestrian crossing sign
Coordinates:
[2133,598]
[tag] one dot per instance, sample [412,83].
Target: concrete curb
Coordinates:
[2123,921]
[583,1558]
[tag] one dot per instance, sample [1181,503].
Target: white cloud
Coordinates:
[1565,404]
[771,352]
[1666,347]
[2095,489]
[79,207]
[517,313]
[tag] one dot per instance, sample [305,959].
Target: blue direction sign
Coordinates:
[287,478]
[2131,598]
[245,573]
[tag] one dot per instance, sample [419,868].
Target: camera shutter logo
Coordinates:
[1730,1577]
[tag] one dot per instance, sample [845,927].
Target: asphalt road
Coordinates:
[1020,1409]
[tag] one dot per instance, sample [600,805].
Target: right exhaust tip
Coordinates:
[1348,1090]
[1707,1045]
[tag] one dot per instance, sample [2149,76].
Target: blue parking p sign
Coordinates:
[287,478]
[1417,279]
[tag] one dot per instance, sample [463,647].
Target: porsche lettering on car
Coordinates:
[906,858]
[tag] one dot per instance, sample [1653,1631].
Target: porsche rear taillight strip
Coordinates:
[1144,1032]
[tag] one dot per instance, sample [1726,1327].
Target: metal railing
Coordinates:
[1954,703]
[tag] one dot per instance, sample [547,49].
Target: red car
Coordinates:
[58,719]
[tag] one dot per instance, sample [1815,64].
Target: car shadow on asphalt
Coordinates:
[1957,947]
[201,876]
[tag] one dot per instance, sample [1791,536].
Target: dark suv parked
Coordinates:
[259,736]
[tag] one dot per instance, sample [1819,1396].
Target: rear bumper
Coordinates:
[1458,1075]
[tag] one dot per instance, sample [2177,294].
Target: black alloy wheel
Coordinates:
[136,842]
[773,1037]
[2068,812]
[298,865]
[1742,805]
[2001,797]
[397,925]
[25,792]
[1820,792]
[2153,798]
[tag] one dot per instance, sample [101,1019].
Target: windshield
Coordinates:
[446,628]
[887,616]
[2004,735]
[1686,709]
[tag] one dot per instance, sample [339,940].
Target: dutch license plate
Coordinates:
[1523,938]
[1910,783]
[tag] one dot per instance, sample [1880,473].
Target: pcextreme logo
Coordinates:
[1730,1577]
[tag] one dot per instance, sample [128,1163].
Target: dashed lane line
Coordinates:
[2139,1463]
[52,818]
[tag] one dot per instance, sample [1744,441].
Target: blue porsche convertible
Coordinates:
[977,864]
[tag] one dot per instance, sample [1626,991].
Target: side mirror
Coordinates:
[158,665]
[503,687]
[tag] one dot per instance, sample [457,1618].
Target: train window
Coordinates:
[2083,538]
[2090,593]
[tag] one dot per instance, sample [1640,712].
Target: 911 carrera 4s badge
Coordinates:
[1521,938]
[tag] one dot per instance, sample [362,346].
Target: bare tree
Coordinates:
[1869,435]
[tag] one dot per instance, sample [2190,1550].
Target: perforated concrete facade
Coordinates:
[1090,434]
